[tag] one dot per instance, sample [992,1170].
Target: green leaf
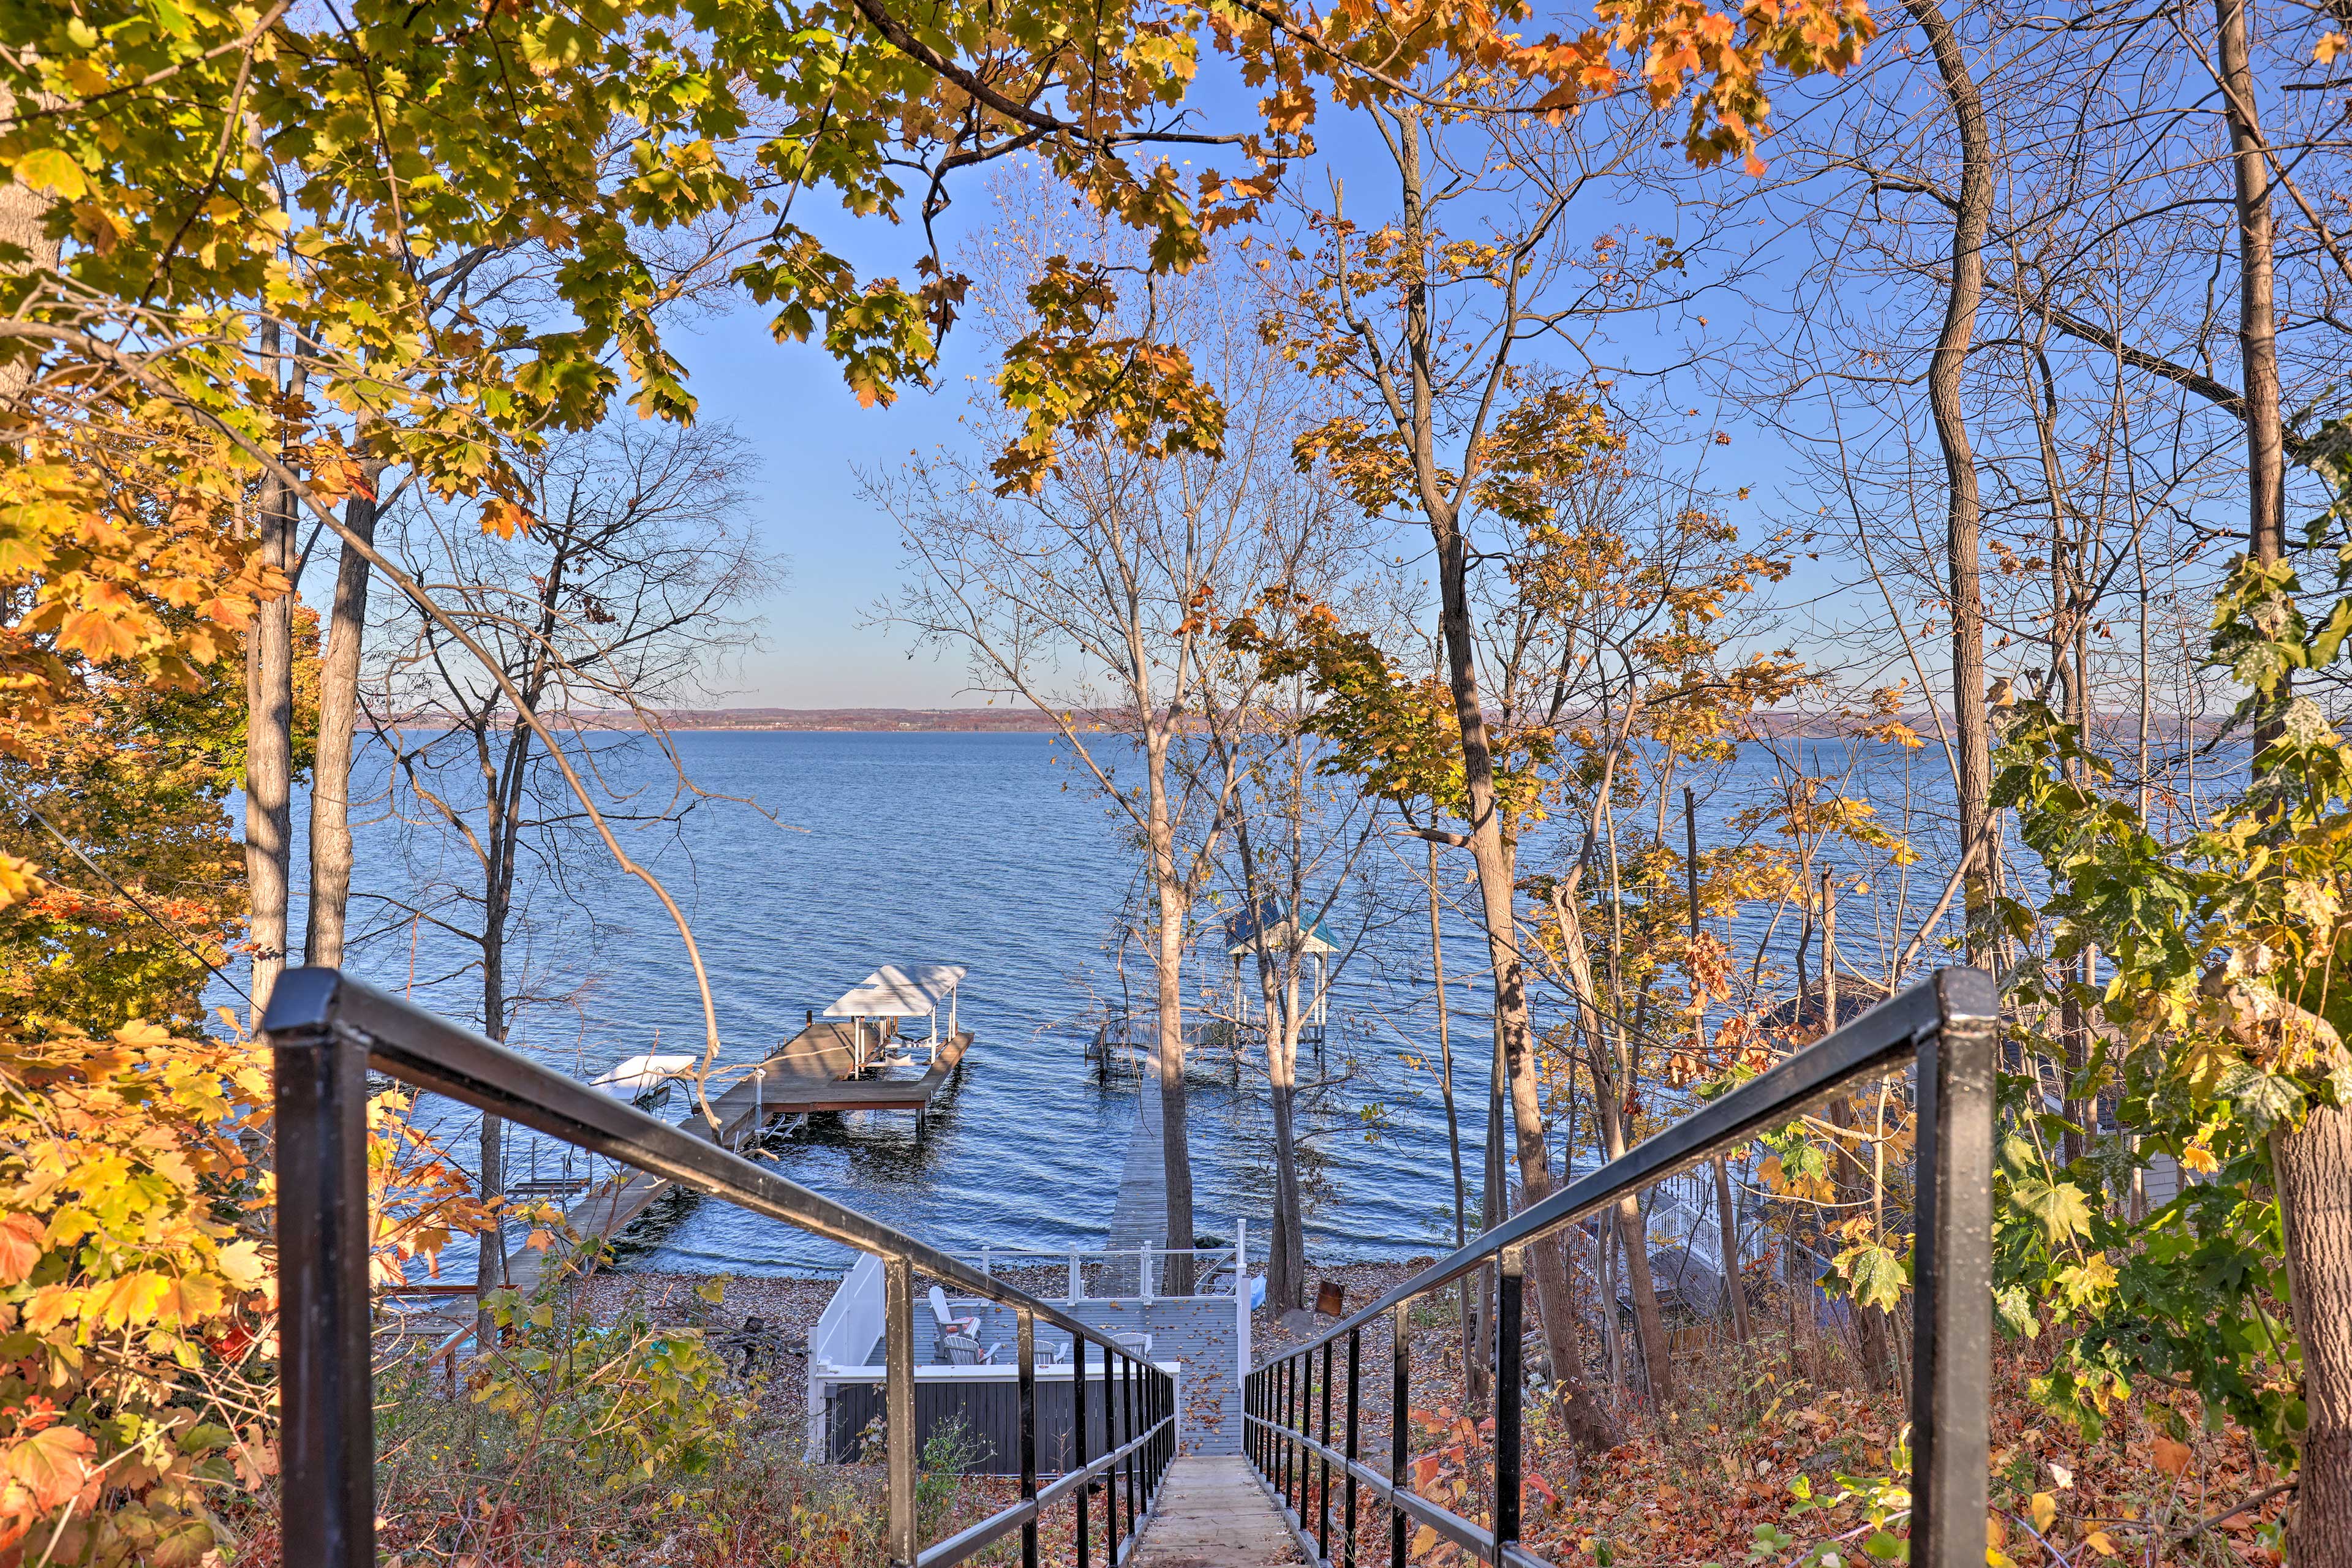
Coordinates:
[2061,1208]
[206,1436]
[2263,1099]
[1876,1276]
[2012,1307]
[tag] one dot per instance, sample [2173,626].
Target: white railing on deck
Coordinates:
[1133,1273]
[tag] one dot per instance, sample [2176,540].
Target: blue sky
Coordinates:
[788,401]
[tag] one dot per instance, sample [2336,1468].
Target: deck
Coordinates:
[814,1071]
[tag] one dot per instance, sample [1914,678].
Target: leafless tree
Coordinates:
[1096,598]
[624,598]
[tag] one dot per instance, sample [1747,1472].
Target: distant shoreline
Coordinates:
[968,720]
[1025,721]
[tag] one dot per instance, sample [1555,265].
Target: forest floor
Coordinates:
[1764,1461]
[1768,1454]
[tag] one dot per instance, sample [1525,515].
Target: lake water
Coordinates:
[987,850]
[978,849]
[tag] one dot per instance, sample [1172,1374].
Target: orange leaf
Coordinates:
[54,1465]
[504,518]
[2171,1458]
[99,636]
[20,1248]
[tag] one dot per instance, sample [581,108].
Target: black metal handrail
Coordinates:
[327,1030]
[1948,1025]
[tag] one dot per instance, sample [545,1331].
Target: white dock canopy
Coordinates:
[904,991]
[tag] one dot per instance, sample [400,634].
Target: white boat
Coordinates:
[643,1075]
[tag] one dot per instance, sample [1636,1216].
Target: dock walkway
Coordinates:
[812,1072]
[1138,1215]
[1215,1513]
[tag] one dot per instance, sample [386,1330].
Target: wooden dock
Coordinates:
[1138,1217]
[816,1070]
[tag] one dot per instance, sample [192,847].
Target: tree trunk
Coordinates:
[1494,1197]
[1286,1276]
[1168,962]
[23,214]
[269,740]
[1547,1263]
[1734,1286]
[1854,1191]
[330,772]
[1489,849]
[2257,308]
[1727,1220]
[1474,1370]
[491,1273]
[2313,1166]
[1633,1231]
[1963,509]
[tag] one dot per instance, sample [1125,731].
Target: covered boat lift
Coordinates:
[823,1068]
[894,992]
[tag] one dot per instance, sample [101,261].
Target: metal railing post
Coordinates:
[1078,1438]
[1134,1459]
[1293,1400]
[1323,1499]
[1951,1356]
[898,1405]
[1110,1476]
[1507,1392]
[1355,1387]
[1143,1271]
[1241,1293]
[1249,1409]
[1028,1337]
[328,1442]
[1078,1279]
[1287,1397]
[1400,1390]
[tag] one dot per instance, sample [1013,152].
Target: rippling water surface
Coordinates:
[978,849]
[964,848]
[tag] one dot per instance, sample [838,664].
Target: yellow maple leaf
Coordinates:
[17,880]
[132,1299]
[2044,1509]
[2330,45]
[51,1305]
[241,1264]
[2099,1541]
